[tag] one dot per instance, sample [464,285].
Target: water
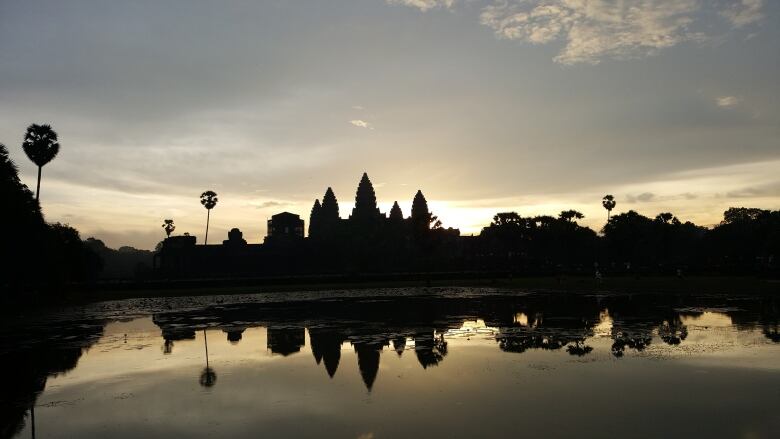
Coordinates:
[397,363]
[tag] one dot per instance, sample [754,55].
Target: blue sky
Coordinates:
[525,105]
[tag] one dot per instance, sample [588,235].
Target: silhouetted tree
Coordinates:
[667,218]
[609,203]
[571,215]
[507,219]
[169,227]
[208,199]
[41,146]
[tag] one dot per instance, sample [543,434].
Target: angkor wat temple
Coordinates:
[368,241]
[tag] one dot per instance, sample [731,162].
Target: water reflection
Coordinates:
[577,326]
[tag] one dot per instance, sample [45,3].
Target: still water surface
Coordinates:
[397,363]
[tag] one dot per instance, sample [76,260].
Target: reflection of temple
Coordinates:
[519,323]
[368,240]
[286,340]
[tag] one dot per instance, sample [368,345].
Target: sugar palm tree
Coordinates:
[169,227]
[208,199]
[41,146]
[609,203]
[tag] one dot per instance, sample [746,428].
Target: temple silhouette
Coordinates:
[368,240]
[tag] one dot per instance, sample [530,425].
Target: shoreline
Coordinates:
[737,285]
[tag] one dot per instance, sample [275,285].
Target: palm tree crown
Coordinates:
[208,199]
[609,203]
[41,146]
[169,227]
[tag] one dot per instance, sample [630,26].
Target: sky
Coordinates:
[533,106]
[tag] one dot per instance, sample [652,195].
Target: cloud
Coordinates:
[423,5]
[744,12]
[361,124]
[267,204]
[644,197]
[727,101]
[596,29]
[766,190]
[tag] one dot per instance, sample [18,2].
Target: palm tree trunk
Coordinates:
[38,189]
[208,214]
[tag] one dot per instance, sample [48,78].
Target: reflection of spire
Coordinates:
[429,349]
[285,341]
[368,362]
[332,358]
[399,344]
[234,335]
[326,345]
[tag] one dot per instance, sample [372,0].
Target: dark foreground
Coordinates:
[386,363]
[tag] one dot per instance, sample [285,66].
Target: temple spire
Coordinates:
[395,212]
[330,206]
[365,200]
[315,219]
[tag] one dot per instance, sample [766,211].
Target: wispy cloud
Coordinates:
[597,29]
[644,197]
[744,12]
[361,124]
[423,5]
[267,204]
[727,101]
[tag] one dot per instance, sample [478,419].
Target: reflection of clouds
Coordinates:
[471,328]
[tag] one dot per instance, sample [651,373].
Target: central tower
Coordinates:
[365,201]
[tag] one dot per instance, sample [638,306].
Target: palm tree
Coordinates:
[40,145]
[609,203]
[169,227]
[208,199]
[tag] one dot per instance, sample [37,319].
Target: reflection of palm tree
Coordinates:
[40,145]
[609,203]
[208,199]
[208,377]
[32,420]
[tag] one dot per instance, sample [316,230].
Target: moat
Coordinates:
[385,363]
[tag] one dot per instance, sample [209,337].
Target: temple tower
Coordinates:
[365,201]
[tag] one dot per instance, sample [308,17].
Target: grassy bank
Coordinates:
[568,284]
